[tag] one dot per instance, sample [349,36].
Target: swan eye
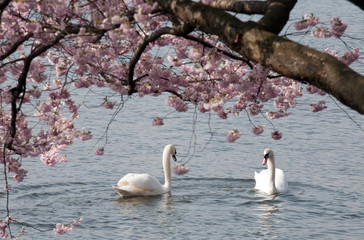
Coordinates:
[266,155]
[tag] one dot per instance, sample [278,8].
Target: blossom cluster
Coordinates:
[349,56]
[180,169]
[158,121]
[4,224]
[100,151]
[233,135]
[306,21]
[337,26]
[62,229]
[3,233]
[316,107]
[337,29]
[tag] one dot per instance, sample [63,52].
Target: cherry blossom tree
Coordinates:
[197,52]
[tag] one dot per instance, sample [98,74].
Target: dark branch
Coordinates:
[358,3]
[3,5]
[226,53]
[276,12]
[21,86]
[277,15]
[15,46]
[178,31]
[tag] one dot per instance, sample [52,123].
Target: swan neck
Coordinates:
[271,174]
[167,168]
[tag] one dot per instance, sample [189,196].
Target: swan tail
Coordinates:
[122,192]
[132,191]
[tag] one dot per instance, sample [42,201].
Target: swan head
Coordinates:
[172,151]
[268,154]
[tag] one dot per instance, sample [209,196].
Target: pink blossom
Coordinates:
[300,25]
[338,27]
[13,165]
[45,107]
[180,169]
[158,121]
[9,219]
[314,90]
[350,56]
[174,61]
[20,175]
[47,86]
[233,135]
[316,107]
[278,114]
[214,104]
[276,135]
[71,106]
[222,114]
[107,104]
[177,103]
[64,94]
[321,32]
[258,130]
[62,229]
[307,20]
[255,108]
[100,151]
[195,54]
[84,136]
[52,157]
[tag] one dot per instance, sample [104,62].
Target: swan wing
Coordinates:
[260,180]
[281,181]
[138,185]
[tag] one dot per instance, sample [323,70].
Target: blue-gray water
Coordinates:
[321,154]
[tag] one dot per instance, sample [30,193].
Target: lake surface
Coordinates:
[321,154]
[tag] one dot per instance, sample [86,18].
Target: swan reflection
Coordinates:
[267,217]
[163,201]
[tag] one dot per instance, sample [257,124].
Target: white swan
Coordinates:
[271,180]
[144,184]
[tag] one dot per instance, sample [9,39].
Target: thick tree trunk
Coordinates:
[259,43]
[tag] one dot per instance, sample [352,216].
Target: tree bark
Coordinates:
[259,43]
[358,3]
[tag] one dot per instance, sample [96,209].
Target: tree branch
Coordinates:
[283,56]
[3,5]
[226,53]
[178,31]
[276,12]
[15,46]
[277,15]
[358,3]
[21,86]
[238,6]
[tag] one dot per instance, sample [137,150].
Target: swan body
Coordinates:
[271,180]
[144,184]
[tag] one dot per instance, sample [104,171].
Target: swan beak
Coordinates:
[174,158]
